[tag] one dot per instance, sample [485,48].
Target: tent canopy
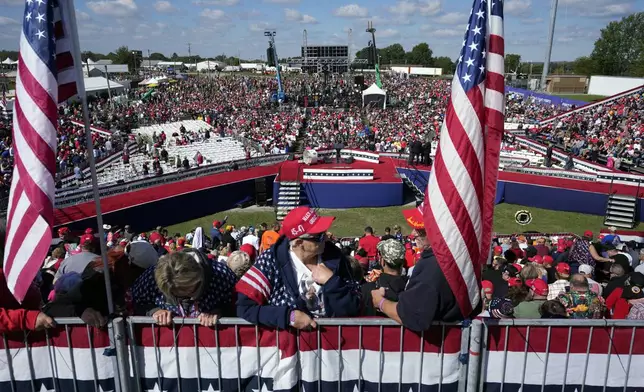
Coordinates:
[374,96]
[8,61]
[373,90]
[99,83]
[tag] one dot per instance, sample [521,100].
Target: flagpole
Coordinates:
[71,14]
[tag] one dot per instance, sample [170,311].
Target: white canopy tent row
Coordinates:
[8,61]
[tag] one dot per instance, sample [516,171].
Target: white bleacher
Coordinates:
[214,150]
[170,128]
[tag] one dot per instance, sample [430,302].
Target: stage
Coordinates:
[383,172]
[344,185]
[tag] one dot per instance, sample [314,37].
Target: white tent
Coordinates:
[374,96]
[8,61]
[99,84]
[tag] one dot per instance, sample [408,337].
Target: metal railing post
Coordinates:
[474,363]
[122,355]
[463,356]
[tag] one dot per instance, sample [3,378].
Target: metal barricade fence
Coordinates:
[71,357]
[360,354]
[339,355]
[559,355]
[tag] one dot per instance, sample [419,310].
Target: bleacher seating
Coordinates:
[214,150]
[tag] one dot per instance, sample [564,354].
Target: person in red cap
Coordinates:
[427,297]
[299,278]
[487,292]
[536,297]
[215,233]
[562,272]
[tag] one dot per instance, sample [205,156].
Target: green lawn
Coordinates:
[581,97]
[350,222]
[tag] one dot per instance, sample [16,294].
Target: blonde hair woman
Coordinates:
[184,284]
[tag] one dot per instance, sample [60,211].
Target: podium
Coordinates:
[310,157]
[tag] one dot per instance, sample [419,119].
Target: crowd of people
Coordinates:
[293,273]
[614,130]
[242,105]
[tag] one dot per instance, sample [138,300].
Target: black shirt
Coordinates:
[394,285]
[387,237]
[427,297]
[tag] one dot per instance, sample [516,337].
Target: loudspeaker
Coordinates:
[270,57]
[348,160]
[359,80]
[260,191]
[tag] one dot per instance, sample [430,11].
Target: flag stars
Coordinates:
[40,2]
[483,53]
[482,68]
[28,16]
[40,18]
[467,78]
[479,14]
[477,30]
[474,46]
[40,34]
[29,2]
[469,62]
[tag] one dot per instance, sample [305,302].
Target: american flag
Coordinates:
[459,202]
[46,76]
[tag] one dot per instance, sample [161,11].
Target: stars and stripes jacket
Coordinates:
[268,292]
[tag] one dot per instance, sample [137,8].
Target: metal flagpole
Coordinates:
[551,35]
[90,150]
[68,9]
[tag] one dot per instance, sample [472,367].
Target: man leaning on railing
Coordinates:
[427,297]
[299,278]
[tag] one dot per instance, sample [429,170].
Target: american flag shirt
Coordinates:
[217,295]
[271,282]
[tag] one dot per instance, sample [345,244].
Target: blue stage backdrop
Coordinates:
[350,195]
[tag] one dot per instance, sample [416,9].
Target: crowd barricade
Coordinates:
[560,355]
[359,354]
[71,357]
[339,355]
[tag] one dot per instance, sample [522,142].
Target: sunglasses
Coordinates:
[315,237]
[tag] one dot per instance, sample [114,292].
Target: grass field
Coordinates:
[581,97]
[351,222]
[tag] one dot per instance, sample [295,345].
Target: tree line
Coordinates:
[420,55]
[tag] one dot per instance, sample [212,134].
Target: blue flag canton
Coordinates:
[38,29]
[471,63]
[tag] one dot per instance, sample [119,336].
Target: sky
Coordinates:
[235,27]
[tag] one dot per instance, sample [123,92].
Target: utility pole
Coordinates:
[551,35]
[189,53]
[109,90]
[149,61]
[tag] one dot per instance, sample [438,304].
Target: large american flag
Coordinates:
[459,202]
[46,76]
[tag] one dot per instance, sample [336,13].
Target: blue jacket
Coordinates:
[268,292]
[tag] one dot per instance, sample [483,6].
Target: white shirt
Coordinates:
[310,291]
[251,239]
